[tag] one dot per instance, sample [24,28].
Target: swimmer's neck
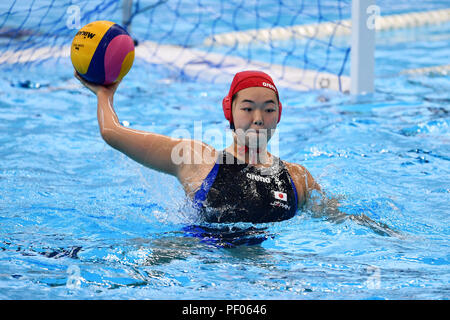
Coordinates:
[255,156]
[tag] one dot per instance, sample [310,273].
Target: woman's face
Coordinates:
[255,115]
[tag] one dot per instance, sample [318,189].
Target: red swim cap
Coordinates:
[247,79]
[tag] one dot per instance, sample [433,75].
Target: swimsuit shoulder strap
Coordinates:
[200,194]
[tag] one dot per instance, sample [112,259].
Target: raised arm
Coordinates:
[149,149]
[152,150]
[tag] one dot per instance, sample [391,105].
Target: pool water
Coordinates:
[79,220]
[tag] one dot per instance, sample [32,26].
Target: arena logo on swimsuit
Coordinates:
[258,178]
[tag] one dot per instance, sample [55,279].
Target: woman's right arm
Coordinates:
[149,149]
[155,151]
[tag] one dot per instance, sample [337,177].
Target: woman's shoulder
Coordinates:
[303,180]
[199,162]
[295,168]
[299,172]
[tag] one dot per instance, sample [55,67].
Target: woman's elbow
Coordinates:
[108,136]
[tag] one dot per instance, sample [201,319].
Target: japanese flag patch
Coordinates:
[280,195]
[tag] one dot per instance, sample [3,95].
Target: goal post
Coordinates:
[362,58]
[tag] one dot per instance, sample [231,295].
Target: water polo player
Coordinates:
[244,182]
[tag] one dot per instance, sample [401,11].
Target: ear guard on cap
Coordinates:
[226,105]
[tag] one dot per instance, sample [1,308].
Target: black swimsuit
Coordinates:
[238,192]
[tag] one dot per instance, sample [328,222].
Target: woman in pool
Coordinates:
[244,182]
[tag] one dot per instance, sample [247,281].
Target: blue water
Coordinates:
[79,220]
